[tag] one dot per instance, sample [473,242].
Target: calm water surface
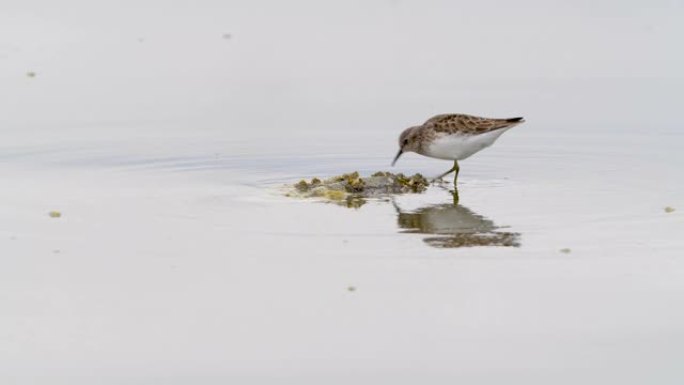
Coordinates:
[177,258]
[559,263]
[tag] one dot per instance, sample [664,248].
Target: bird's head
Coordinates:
[408,142]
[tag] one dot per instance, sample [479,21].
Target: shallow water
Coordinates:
[559,260]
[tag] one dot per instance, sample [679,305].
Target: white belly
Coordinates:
[458,147]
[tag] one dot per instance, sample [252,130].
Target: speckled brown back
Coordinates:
[467,124]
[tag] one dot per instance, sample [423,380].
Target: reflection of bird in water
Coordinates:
[457,226]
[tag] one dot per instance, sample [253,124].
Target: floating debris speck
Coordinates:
[31,74]
[55,214]
[351,288]
[669,209]
[565,250]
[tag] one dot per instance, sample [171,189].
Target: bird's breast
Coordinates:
[459,146]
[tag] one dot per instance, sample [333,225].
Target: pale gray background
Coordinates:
[178,261]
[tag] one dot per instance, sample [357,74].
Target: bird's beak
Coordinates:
[401,151]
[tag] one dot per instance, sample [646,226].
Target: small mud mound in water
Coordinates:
[352,190]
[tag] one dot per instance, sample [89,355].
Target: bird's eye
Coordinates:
[405,142]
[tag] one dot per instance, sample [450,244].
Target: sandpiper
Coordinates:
[453,137]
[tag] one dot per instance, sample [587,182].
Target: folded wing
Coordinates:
[469,124]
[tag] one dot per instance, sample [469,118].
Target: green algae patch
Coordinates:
[302,186]
[352,189]
[335,195]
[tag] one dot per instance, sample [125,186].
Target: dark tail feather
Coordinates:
[515,120]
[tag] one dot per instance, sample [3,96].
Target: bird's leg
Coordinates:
[455,192]
[453,169]
[456,170]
